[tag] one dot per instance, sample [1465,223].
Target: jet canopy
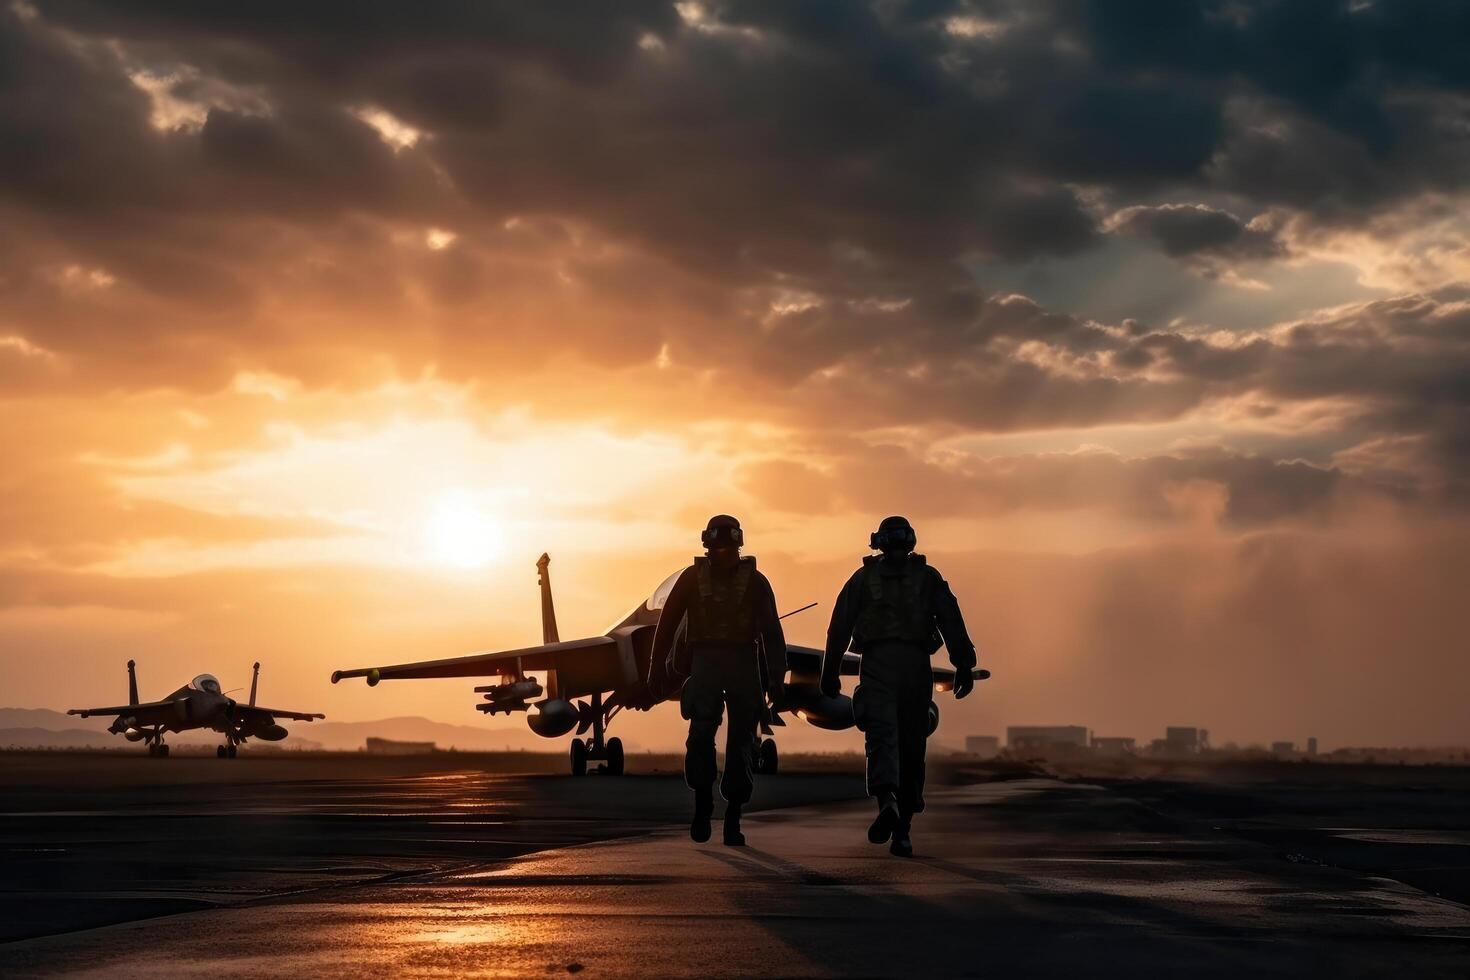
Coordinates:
[660,595]
[647,613]
[206,683]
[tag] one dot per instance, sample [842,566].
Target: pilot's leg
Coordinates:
[913,733]
[737,784]
[745,699]
[875,708]
[703,704]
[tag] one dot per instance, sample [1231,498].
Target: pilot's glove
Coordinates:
[964,683]
[831,686]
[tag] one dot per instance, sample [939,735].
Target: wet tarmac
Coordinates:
[1023,877]
[1411,823]
[89,840]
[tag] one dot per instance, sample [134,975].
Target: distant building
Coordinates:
[1283,748]
[1181,740]
[1114,746]
[1041,738]
[388,746]
[1312,746]
[985,746]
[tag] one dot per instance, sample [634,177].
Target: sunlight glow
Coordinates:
[459,533]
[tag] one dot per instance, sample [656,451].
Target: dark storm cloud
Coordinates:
[741,139]
[1370,91]
[1198,233]
[1253,490]
[1390,367]
[782,195]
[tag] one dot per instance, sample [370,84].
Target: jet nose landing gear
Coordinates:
[608,751]
[610,754]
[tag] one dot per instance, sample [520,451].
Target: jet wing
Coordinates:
[124,709]
[275,713]
[547,656]
[807,660]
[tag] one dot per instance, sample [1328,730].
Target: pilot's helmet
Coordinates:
[722,531]
[894,534]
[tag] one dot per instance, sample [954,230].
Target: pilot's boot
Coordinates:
[901,845]
[704,806]
[887,819]
[733,836]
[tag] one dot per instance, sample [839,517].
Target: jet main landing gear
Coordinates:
[766,757]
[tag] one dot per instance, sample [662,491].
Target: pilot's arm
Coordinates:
[773,639]
[839,632]
[946,611]
[675,607]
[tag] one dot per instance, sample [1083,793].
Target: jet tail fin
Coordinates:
[132,682]
[549,632]
[548,610]
[254,680]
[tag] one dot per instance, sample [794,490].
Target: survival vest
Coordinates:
[722,609]
[895,604]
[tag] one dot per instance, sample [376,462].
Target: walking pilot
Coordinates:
[895,611]
[732,619]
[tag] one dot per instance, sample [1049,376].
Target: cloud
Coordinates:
[1251,491]
[862,154]
[1208,239]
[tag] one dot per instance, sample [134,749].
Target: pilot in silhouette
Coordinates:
[895,611]
[731,616]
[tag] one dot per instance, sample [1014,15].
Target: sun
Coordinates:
[460,534]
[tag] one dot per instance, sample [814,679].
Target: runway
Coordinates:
[90,840]
[1023,877]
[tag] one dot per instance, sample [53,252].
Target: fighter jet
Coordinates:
[198,704]
[588,681]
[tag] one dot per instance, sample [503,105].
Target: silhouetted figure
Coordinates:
[731,614]
[895,611]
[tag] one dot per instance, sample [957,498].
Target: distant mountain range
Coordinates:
[43,728]
[48,719]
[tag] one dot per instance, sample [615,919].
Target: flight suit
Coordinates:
[896,612]
[731,617]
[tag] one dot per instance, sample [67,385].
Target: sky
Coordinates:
[320,322]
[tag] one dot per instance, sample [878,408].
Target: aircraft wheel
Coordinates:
[614,756]
[766,758]
[579,757]
[233,751]
[933,717]
[163,750]
[219,752]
